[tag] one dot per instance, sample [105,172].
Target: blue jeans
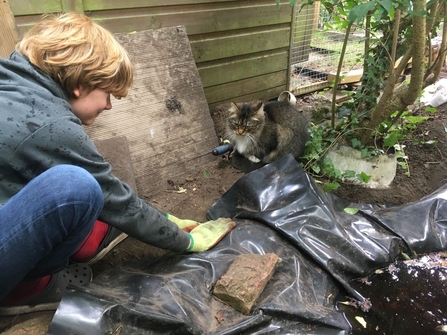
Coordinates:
[43,224]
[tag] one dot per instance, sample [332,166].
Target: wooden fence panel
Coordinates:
[92,5]
[246,42]
[196,19]
[231,40]
[27,7]
[248,67]
[246,86]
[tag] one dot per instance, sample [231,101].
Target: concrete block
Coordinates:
[382,168]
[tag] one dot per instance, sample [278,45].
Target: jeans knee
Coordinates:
[75,183]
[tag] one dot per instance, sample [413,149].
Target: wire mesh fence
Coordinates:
[316,49]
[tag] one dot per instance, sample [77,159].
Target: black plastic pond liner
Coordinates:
[277,208]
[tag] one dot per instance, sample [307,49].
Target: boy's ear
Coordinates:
[77,92]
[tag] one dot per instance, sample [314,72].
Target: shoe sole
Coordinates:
[74,274]
[100,255]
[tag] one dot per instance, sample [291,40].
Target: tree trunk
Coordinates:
[398,99]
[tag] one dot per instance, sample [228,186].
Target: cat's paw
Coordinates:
[254,159]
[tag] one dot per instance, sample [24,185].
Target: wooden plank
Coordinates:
[236,69]
[24,23]
[196,19]
[229,46]
[72,6]
[115,150]
[310,88]
[96,5]
[352,76]
[165,118]
[265,95]
[8,29]
[246,86]
[27,7]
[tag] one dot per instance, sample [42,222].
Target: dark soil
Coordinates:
[190,198]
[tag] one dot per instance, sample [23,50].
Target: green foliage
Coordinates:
[377,60]
[398,127]
[351,210]
[329,187]
[206,174]
[390,134]
[322,137]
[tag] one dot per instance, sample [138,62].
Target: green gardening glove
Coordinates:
[208,234]
[186,225]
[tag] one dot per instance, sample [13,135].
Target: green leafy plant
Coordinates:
[376,119]
[315,162]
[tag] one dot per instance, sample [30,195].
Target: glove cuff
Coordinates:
[191,245]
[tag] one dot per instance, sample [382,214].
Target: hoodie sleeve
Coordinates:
[64,141]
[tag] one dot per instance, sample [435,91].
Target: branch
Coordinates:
[337,77]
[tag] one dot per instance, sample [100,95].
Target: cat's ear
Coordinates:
[233,108]
[258,106]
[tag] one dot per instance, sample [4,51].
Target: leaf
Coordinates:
[364,177]
[430,109]
[403,165]
[315,168]
[181,190]
[361,321]
[429,143]
[351,210]
[416,119]
[391,139]
[405,256]
[359,12]
[364,153]
[387,5]
[329,187]
[349,174]
[206,174]
[356,143]
[441,328]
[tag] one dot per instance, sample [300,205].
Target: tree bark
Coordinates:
[397,99]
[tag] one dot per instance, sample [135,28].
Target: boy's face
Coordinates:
[88,105]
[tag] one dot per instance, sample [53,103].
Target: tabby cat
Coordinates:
[264,132]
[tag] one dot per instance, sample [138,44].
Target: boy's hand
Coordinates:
[208,234]
[186,225]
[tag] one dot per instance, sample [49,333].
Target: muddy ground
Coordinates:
[191,197]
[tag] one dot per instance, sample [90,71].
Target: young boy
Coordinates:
[56,191]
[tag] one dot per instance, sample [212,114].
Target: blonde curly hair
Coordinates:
[78,53]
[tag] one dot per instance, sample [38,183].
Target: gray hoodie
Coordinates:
[38,130]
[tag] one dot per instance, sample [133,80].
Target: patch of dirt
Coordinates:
[190,198]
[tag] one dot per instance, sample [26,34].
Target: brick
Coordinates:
[245,279]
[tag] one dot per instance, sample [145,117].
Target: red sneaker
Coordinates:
[48,299]
[110,241]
